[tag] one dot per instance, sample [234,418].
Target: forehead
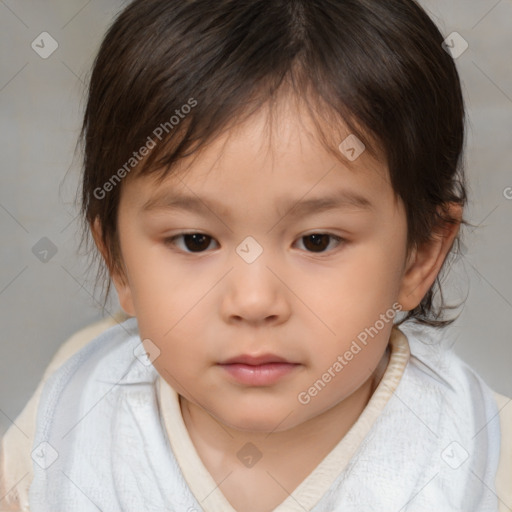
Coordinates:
[272,154]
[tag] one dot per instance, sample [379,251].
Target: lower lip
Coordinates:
[261,375]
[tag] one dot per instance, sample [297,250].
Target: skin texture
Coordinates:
[201,308]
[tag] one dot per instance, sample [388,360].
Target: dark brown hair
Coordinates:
[379,67]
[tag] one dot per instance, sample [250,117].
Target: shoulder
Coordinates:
[80,339]
[16,471]
[504,475]
[441,368]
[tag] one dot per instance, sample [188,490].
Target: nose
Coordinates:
[255,293]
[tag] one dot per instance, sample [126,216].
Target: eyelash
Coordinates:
[171,240]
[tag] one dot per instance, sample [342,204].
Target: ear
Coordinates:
[425,261]
[119,279]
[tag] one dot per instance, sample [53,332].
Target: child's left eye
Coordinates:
[320,241]
[199,242]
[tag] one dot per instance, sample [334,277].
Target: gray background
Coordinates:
[41,100]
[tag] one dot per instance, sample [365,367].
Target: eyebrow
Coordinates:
[342,200]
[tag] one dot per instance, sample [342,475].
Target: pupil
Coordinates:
[198,241]
[318,241]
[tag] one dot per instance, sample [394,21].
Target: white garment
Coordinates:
[435,446]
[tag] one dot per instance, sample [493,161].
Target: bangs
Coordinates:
[199,129]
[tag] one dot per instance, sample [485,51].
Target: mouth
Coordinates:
[250,360]
[264,370]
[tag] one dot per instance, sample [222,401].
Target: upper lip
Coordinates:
[255,360]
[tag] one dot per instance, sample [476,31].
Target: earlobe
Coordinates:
[120,282]
[124,294]
[425,262]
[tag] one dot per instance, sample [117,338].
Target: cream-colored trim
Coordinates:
[504,474]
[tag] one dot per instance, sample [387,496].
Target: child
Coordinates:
[259,369]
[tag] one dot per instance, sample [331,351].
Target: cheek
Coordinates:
[169,301]
[352,296]
[162,290]
[353,306]
[181,358]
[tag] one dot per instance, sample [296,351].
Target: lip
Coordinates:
[255,360]
[263,370]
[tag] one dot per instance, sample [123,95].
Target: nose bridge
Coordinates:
[251,274]
[253,290]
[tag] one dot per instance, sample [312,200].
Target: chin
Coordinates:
[260,419]
[254,425]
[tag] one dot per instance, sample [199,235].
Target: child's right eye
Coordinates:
[193,242]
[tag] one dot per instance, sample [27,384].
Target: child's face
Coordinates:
[204,301]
